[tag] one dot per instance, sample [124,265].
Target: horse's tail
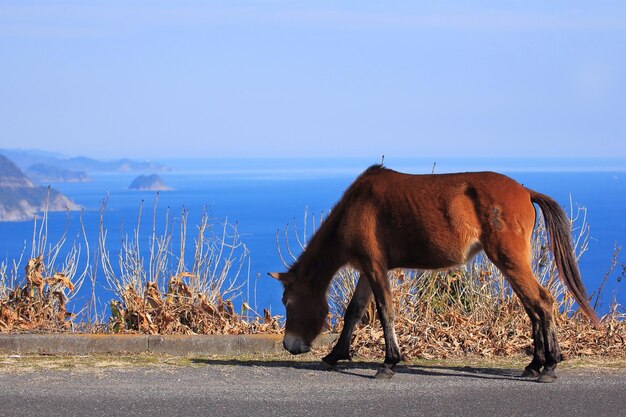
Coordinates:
[558,226]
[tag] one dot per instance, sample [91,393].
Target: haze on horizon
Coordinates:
[246,78]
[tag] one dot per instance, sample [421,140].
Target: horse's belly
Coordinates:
[435,256]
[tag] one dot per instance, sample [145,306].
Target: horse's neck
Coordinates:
[320,262]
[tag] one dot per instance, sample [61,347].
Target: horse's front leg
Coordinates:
[379,282]
[354,312]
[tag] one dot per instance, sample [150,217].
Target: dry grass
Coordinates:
[184,310]
[39,303]
[434,320]
[195,299]
[97,364]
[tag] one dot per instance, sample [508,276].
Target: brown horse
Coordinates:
[388,220]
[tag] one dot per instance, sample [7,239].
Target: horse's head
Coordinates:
[306,309]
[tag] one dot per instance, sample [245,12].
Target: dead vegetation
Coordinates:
[184,310]
[444,314]
[160,293]
[38,305]
[37,301]
[195,299]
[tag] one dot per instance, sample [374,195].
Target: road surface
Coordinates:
[257,388]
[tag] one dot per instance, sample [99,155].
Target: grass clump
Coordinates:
[37,301]
[39,304]
[183,310]
[169,295]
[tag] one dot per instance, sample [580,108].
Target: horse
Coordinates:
[387,219]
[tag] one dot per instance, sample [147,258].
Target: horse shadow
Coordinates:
[357,368]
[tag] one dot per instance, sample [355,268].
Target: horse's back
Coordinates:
[433,221]
[391,191]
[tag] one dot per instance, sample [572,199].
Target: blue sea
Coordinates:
[264,196]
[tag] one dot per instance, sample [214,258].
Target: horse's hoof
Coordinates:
[330,359]
[547,377]
[384,373]
[328,366]
[530,373]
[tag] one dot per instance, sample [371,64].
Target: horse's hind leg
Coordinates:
[533,369]
[354,312]
[510,252]
[538,304]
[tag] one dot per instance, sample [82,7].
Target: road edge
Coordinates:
[177,345]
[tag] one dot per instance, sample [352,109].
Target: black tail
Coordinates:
[558,227]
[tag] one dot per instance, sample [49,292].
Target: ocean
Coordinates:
[264,197]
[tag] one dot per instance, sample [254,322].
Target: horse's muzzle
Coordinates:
[295,345]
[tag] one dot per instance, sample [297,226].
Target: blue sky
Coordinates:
[150,79]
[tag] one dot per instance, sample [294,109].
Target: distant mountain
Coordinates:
[11,177]
[24,159]
[82,163]
[148,183]
[20,199]
[43,173]
[27,158]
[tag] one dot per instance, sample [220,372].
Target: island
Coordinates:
[21,199]
[149,183]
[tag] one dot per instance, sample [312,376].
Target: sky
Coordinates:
[244,78]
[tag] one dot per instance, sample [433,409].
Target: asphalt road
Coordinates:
[256,388]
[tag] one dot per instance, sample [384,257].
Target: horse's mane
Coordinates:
[325,233]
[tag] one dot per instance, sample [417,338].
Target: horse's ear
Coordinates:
[283,277]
